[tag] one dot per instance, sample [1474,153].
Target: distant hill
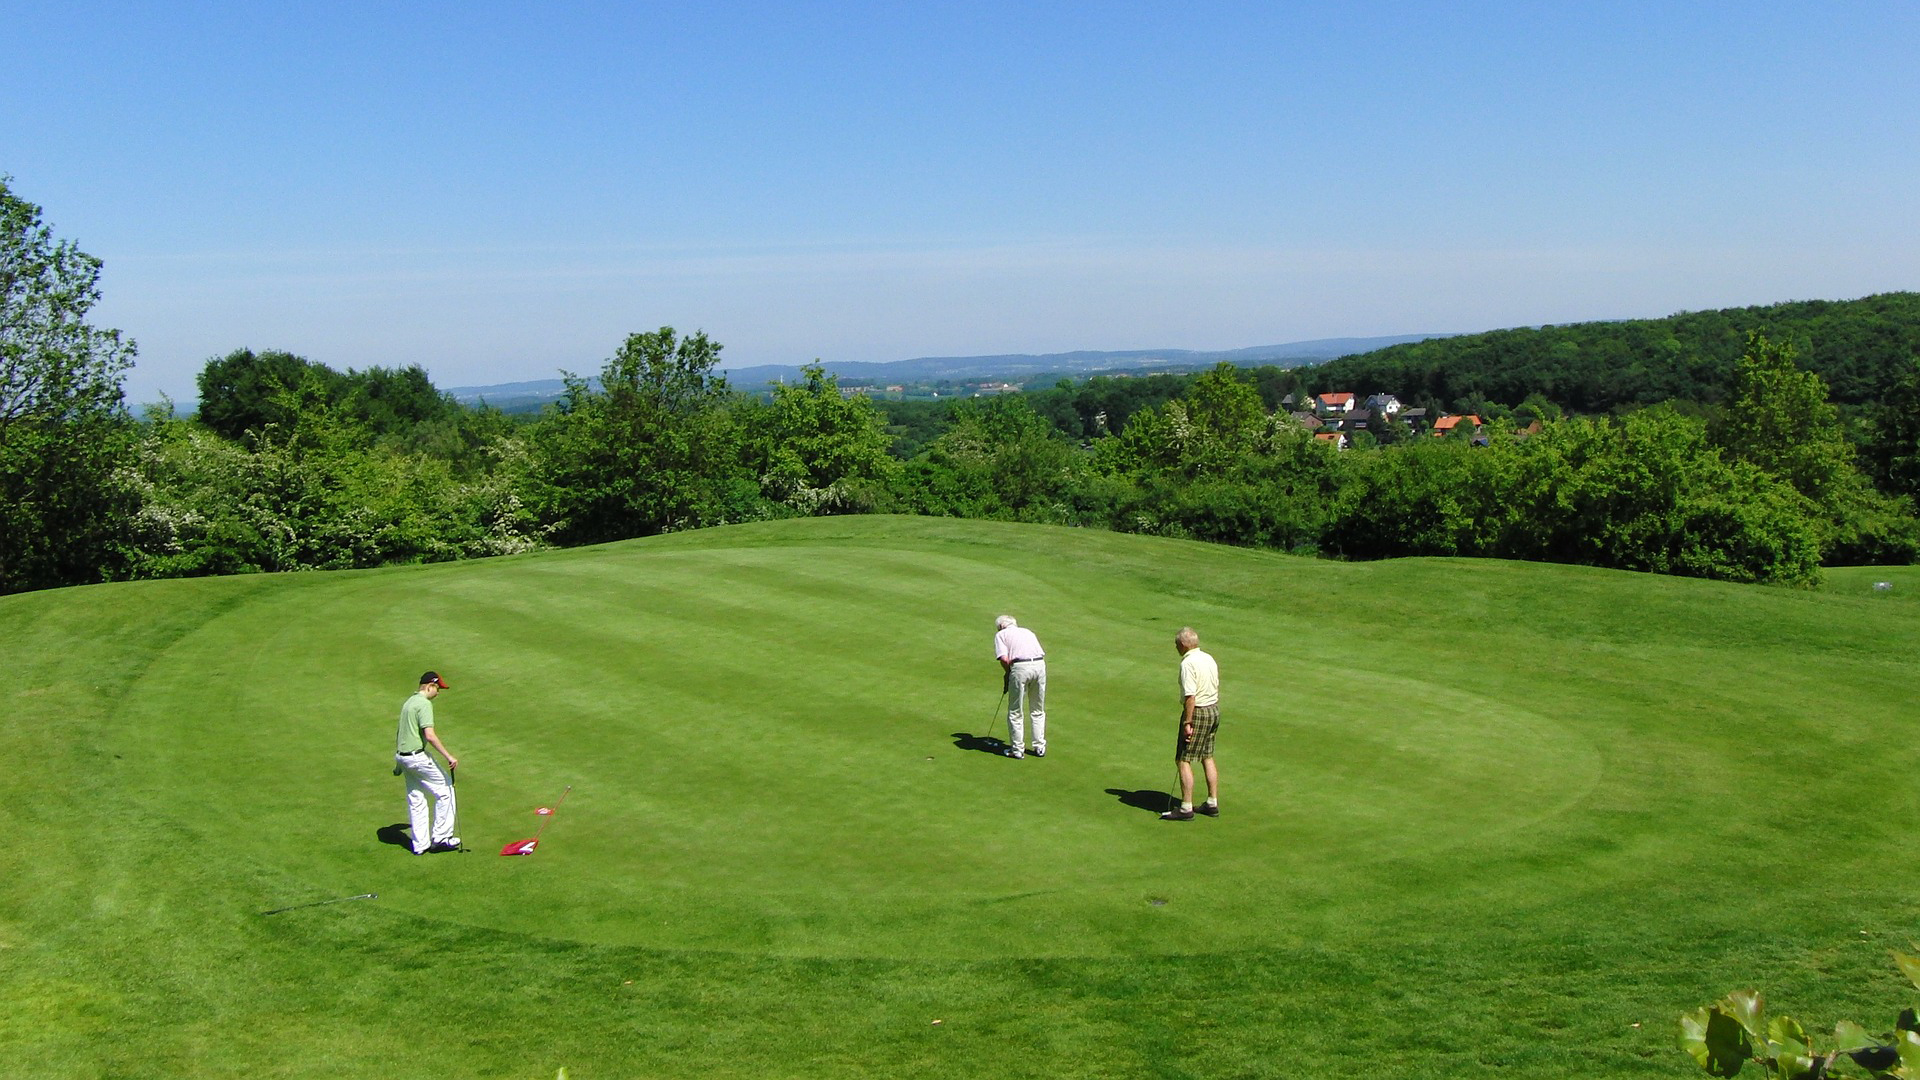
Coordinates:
[1858,346]
[513,396]
[1010,366]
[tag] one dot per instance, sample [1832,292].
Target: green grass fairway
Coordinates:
[1478,817]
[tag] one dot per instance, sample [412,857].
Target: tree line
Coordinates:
[1859,347]
[291,465]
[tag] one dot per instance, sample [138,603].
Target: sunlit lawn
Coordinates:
[1476,815]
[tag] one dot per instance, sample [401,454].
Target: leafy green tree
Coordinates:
[1277,496]
[1536,408]
[1416,498]
[1105,404]
[1650,493]
[912,425]
[1892,450]
[1779,420]
[654,448]
[1387,428]
[999,459]
[394,401]
[1645,493]
[1275,383]
[1225,407]
[1058,404]
[239,392]
[64,430]
[817,450]
[1206,432]
[316,491]
[468,439]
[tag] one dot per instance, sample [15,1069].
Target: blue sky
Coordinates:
[497,192]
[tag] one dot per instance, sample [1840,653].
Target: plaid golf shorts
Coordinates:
[1206,720]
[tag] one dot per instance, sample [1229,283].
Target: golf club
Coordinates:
[1173,793]
[1000,714]
[323,903]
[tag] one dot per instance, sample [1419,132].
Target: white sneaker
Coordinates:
[1016,752]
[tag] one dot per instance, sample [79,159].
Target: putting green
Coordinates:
[1479,816]
[765,737]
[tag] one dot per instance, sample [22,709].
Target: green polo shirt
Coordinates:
[415,715]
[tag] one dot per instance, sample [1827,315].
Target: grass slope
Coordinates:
[1476,814]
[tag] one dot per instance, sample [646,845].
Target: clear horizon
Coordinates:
[497,194]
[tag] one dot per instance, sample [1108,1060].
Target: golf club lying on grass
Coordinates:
[322,903]
[525,847]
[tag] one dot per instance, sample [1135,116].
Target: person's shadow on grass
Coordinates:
[986,744]
[1154,801]
[399,834]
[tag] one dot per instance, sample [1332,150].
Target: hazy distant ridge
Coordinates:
[1010,365]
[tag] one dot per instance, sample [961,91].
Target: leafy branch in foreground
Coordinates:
[1723,1037]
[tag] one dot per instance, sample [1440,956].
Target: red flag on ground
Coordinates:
[525,847]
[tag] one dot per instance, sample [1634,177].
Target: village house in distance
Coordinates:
[1334,417]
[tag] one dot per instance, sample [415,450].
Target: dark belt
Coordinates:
[1028,660]
[410,753]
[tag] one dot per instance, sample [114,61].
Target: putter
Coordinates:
[1173,793]
[999,715]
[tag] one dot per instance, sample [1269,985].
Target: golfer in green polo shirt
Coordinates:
[432,827]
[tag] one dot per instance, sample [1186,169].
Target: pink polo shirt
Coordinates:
[1017,643]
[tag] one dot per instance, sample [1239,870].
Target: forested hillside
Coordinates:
[1860,347]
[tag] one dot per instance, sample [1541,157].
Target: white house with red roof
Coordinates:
[1333,404]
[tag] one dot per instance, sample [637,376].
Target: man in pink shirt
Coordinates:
[1024,664]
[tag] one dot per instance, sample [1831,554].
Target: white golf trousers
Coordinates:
[424,778]
[1027,682]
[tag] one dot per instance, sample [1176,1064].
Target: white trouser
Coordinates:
[425,778]
[1028,676]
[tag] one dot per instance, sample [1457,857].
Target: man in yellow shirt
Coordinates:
[1199,719]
